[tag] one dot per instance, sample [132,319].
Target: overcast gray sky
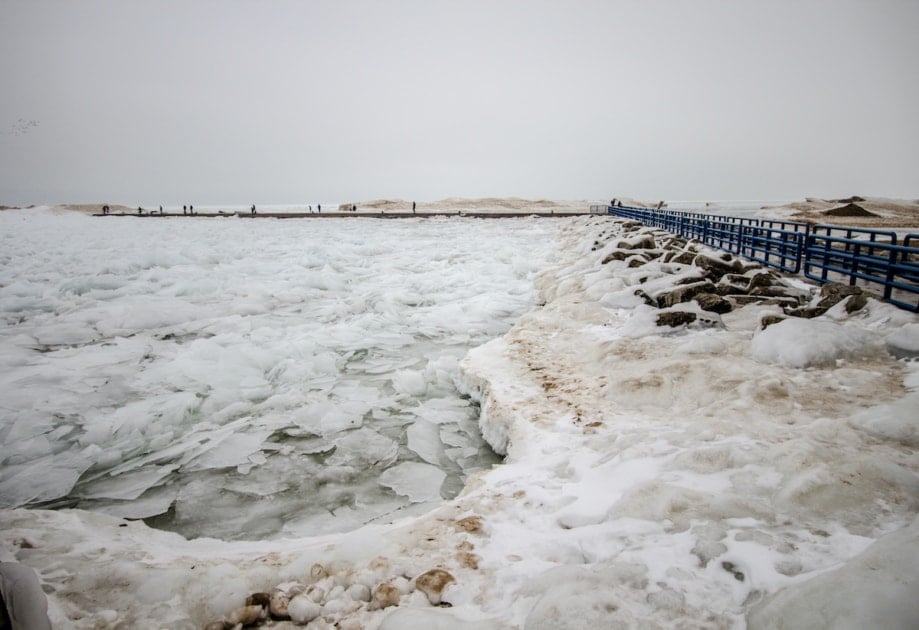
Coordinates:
[293,102]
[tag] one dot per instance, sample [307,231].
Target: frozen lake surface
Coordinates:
[249,379]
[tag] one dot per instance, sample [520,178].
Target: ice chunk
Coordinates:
[418,482]
[127,486]
[424,439]
[66,334]
[409,383]
[441,410]
[43,479]
[231,450]
[342,417]
[364,447]
[152,503]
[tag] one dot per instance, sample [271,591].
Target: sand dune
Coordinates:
[870,212]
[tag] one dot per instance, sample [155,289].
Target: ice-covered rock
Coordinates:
[432,583]
[302,609]
[384,596]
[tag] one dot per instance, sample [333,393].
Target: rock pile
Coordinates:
[717,281]
[327,599]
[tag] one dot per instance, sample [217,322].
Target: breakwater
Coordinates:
[878,259]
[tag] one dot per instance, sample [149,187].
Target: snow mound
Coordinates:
[904,341]
[804,343]
[876,589]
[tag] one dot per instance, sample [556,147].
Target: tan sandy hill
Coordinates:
[856,211]
[496,205]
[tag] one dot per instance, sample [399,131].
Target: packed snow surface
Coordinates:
[712,475]
[243,379]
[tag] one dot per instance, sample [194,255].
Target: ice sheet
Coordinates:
[140,356]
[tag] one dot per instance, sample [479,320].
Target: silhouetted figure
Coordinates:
[253,209]
[311,209]
[191,210]
[413,207]
[353,208]
[184,210]
[139,210]
[104,209]
[161,209]
[319,205]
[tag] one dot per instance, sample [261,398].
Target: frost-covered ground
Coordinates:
[716,475]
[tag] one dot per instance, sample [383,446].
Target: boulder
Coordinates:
[716,268]
[616,255]
[856,303]
[684,293]
[675,318]
[644,296]
[682,258]
[807,312]
[768,320]
[713,303]
[833,293]
[763,279]
[643,242]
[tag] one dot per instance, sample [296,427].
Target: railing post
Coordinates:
[888,277]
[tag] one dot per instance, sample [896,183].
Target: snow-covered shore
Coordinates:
[704,475]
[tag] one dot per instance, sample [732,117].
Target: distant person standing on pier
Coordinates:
[184,209]
[413,207]
[139,210]
[191,210]
[253,210]
[161,209]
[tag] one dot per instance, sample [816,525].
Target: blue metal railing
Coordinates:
[824,252]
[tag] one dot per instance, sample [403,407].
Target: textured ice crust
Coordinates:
[690,474]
